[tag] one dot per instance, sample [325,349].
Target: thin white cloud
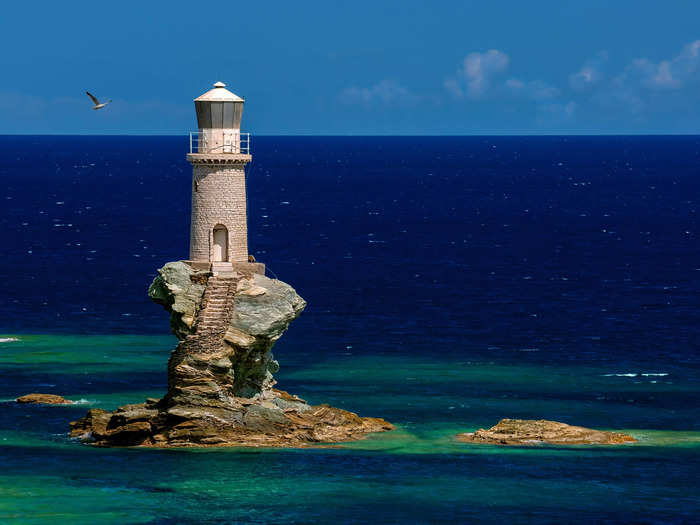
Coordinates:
[671,84]
[647,74]
[454,87]
[672,73]
[564,110]
[533,89]
[590,74]
[663,76]
[385,92]
[22,105]
[475,76]
[75,114]
[642,87]
[645,85]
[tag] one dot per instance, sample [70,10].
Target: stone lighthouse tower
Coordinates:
[219,153]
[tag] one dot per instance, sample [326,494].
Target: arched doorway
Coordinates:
[220,244]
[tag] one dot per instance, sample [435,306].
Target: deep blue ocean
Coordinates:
[451,282]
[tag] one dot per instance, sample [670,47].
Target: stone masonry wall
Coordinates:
[218,197]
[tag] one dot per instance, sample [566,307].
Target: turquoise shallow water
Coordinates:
[418,473]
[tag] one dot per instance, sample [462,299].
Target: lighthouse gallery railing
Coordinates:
[232,143]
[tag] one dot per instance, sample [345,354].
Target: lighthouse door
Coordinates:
[220,244]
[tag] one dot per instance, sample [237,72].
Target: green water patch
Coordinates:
[118,486]
[430,400]
[51,499]
[85,354]
[478,394]
[412,372]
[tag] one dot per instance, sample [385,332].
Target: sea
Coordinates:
[451,282]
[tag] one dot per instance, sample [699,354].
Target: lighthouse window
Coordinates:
[217,115]
[228,115]
[195,186]
[237,108]
[203,114]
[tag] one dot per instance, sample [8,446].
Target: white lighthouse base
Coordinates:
[218,268]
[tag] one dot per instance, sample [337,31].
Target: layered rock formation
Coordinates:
[220,377]
[534,432]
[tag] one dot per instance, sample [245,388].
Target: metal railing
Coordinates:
[232,142]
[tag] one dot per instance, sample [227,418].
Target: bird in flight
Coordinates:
[97,103]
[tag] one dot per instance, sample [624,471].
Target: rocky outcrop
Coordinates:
[277,422]
[179,289]
[220,377]
[44,399]
[538,431]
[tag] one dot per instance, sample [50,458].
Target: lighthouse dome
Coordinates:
[219,94]
[218,108]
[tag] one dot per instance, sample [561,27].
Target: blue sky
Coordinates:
[361,67]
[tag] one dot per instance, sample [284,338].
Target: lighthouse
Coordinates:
[219,153]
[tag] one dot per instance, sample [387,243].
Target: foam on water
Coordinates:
[635,374]
[83,401]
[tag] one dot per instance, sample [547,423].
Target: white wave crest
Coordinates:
[8,339]
[83,401]
[635,374]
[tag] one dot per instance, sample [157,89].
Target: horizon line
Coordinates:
[562,133]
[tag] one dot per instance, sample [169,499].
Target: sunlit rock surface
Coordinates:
[43,399]
[538,431]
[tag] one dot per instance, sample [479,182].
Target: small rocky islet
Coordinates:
[220,376]
[542,431]
[43,399]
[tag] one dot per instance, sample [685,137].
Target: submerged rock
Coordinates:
[44,399]
[220,376]
[537,431]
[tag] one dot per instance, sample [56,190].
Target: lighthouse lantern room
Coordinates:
[219,118]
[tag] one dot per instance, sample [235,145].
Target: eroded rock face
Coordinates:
[538,431]
[179,289]
[220,377]
[214,363]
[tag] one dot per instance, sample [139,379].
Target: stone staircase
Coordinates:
[217,306]
[190,377]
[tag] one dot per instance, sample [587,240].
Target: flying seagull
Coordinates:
[97,102]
